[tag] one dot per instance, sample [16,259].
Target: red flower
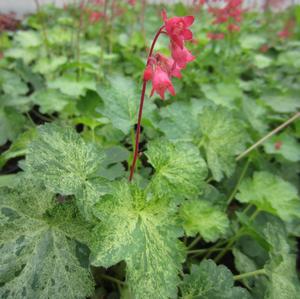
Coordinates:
[161,82]
[177,28]
[181,55]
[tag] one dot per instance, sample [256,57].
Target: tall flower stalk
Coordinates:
[160,69]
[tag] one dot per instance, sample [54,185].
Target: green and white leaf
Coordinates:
[66,164]
[179,169]
[223,138]
[272,194]
[209,281]
[200,216]
[143,233]
[38,254]
[283,279]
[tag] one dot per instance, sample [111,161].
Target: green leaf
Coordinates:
[262,61]
[289,58]
[180,121]
[222,94]
[71,87]
[209,281]
[38,252]
[223,138]
[252,41]
[121,103]
[11,124]
[283,145]
[62,160]
[12,84]
[144,233]
[282,102]
[19,147]
[272,194]
[46,65]
[283,279]
[179,169]
[200,216]
[255,114]
[50,100]
[242,262]
[28,38]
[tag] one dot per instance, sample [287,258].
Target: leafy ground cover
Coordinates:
[198,198]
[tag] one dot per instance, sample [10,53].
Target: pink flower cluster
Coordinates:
[288,29]
[95,14]
[160,69]
[231,14]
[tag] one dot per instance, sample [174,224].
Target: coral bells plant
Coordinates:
[160,69]
[230,14]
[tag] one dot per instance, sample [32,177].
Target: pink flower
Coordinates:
[181,55]
[161,82]
[168,65]
[95,16]
[288,29]
[233,27]
[148,72]
[177,28]
[132,2]
[215,36]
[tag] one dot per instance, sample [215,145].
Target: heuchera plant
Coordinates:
[160,69]
[230,14]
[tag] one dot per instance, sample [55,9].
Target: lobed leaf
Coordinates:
[144,234]
[38,252]
[209,281]
[179,169]
[223,138]
[121,103]
[272,194]
[62,160]
[200,216]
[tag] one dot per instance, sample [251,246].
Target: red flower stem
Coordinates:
[138,128]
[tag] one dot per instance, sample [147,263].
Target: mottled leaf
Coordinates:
[144,234]
[223,138]
[65,163]
[179,169]
[281,270]
[38,254]
[209,281]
